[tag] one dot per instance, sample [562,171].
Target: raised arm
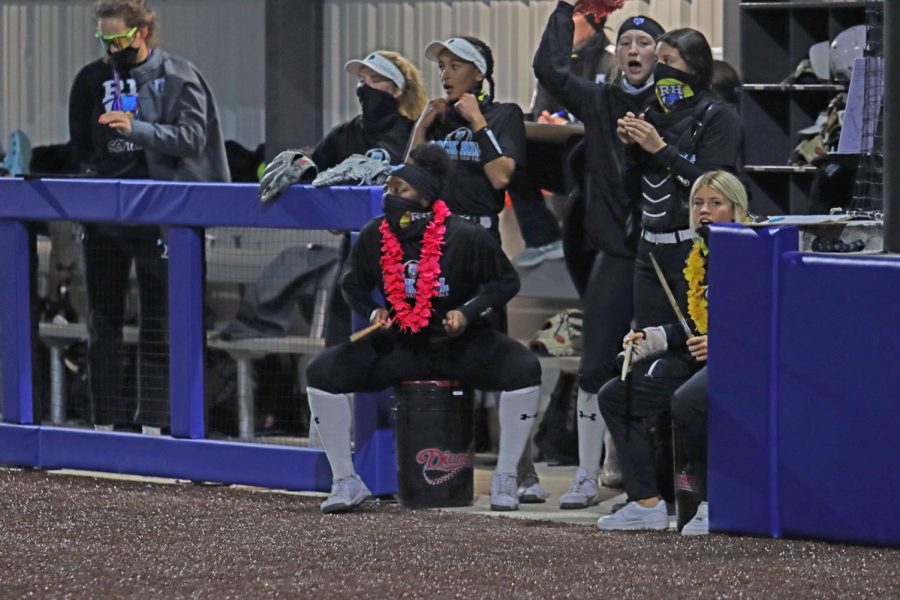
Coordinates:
[553,61]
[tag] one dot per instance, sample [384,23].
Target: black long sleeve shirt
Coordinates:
[468,190]
[476,277]
[385,140]
[612,181]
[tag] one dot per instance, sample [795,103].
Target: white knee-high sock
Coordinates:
[591,428]
[331,414]
[518,410]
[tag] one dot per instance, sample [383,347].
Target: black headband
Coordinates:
[428,186]
[645,24]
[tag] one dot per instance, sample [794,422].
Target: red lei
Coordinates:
[413,318]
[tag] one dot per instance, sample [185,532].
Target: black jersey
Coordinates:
[476,277]
[612,181]
[702,134]
[383,141]
[98,148]
[467,190]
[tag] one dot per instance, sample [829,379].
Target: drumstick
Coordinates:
[364,332]
[629,348]
[670,296]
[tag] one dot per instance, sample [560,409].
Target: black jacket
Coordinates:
[476,277]
[612,182]
[591,62]
[702,134]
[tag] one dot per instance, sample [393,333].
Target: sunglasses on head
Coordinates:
[119,41]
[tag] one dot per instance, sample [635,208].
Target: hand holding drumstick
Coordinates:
[380,319]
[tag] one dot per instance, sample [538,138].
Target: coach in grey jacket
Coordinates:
[179,127]
[136,113]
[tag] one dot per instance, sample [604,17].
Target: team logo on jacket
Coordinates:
[459,145]
[127,87]
[448,464]
[410,274]
[379,154]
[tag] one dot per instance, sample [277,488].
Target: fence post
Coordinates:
[15,321]
[186,343]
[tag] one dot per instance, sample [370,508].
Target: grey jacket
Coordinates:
[179,127]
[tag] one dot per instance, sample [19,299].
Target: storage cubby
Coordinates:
[775,37]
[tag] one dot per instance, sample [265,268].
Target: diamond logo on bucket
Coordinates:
[448,463]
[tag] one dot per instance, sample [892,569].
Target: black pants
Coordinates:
[480,358]
[629,406]
[689,408]
[651,307]
[108,255]
[579,258]
[608,309]
[543,169]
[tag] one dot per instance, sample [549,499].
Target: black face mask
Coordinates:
[376,105]
[672,85]
[124,59]
[404,216]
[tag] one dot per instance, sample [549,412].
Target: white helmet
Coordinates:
[847,46]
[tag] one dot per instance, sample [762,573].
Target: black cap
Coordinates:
[641,23]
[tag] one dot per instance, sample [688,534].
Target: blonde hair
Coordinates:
[135,13]
[731,189]
[412,101]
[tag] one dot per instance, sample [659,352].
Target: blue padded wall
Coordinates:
[839,398]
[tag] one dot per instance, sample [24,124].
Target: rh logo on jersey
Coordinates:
[410,274]
[443,461]
[459,145]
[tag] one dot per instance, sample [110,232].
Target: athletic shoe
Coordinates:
[346,494]
[503,492]
[583,492]
[532,257]
[532,492]
[611,475]
[635,517]
[699,525]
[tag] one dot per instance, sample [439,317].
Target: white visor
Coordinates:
[464,49]
[380,65]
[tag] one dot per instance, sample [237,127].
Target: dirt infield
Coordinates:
[80,537]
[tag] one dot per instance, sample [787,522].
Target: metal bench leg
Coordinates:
[246,408]
[57,386]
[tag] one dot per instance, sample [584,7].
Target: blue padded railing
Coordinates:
[804,389]
[185,209]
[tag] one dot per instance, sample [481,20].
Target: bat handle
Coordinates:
[364,332]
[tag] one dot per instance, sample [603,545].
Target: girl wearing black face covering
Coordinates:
[441,276]
[685,133]
[391,96]
[485,139]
